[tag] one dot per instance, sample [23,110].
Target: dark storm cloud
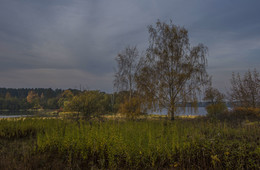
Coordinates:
[64,43]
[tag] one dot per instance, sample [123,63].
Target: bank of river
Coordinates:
[13,116]
[201,111]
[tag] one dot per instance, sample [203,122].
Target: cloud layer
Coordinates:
[63,43]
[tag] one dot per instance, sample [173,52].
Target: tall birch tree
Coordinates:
[172,72]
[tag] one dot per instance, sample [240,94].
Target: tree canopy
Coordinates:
[172,72]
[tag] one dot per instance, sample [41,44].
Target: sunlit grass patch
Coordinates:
[145,143]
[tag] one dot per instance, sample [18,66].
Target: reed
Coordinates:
[183,143]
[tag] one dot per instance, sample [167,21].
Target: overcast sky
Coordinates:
[68,43]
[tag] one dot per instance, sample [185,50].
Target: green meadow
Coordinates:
[151,143]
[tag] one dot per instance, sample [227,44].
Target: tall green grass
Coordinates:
[142,144]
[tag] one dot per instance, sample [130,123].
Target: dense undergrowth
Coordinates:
[144,144]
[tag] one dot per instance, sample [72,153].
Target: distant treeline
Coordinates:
[40,98]
[23,92]
[17,99]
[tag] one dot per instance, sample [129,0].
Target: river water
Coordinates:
[201,111]
[12,114]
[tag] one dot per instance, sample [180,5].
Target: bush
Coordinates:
[240,114]
[215,109]
[243,113]
[88,103]
[131,108]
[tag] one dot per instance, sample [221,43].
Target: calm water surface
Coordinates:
[10,114]
[201,111]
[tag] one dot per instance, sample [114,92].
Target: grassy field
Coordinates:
[198,143]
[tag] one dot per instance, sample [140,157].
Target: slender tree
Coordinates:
[126,69]
[172,73]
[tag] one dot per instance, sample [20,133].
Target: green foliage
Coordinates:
[52,103]
[240,114]
[22,128]
[154,144]
[118,99]
[243,112]
[132,108]
[13,104]
[66,96]
[16,99]
[33,99]
[88,103]
[107,103]
[184,144]
[216,102]
[172,71]
[216,109]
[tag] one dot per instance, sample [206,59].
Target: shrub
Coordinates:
[245,91]
[240,114]
[88,103]
[245,113]
[215,109]
[131,108]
